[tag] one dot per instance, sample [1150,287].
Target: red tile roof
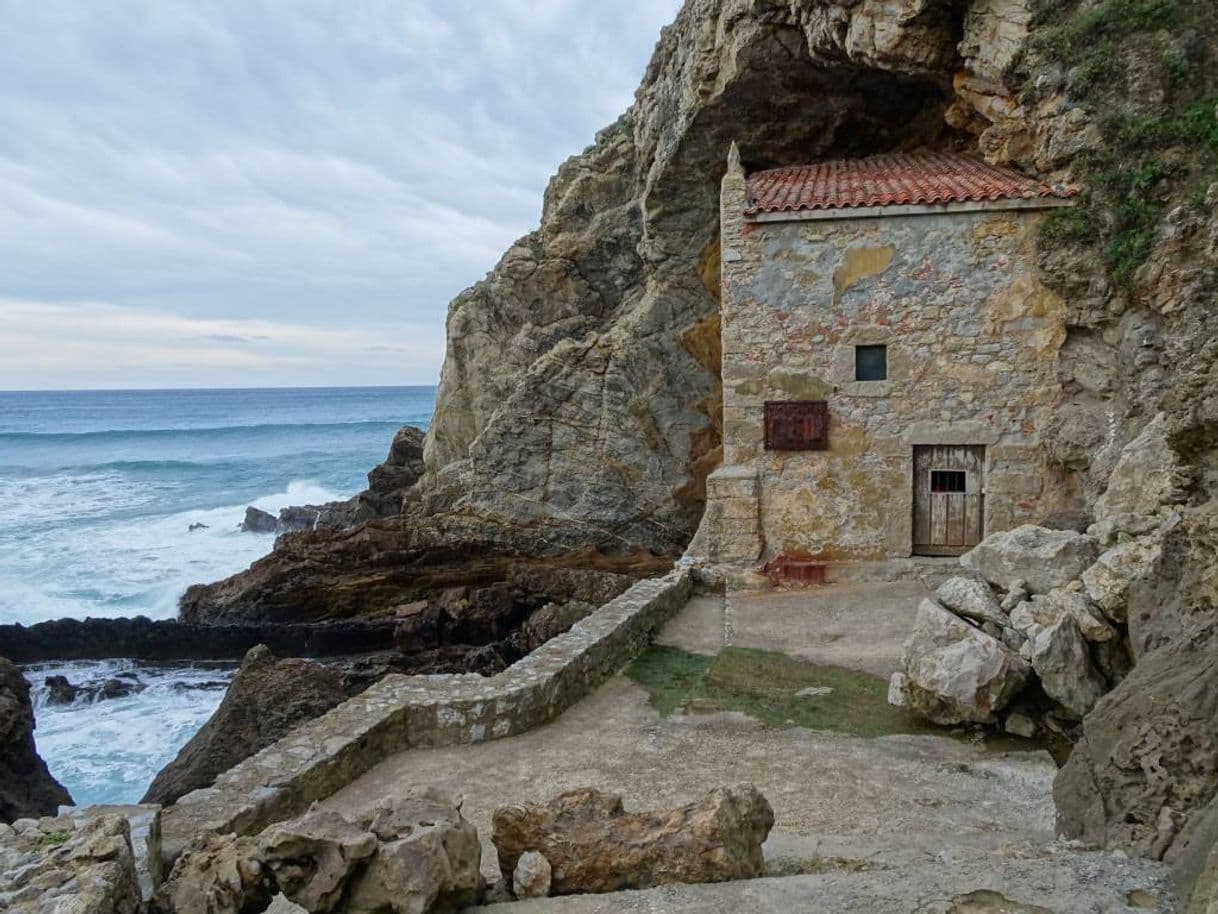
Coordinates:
[890,180]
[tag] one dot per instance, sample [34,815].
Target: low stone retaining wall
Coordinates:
[404,712]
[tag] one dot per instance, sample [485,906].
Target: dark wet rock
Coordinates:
[552,620]
[27,789]
[168,640]
[388,483]
[266,699]
[197,526]
[259,521]
[60,691]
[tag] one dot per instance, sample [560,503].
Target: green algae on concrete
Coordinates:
[773,688]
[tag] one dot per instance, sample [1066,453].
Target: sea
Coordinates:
[113,502]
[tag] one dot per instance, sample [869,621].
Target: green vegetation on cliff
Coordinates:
[1145,70]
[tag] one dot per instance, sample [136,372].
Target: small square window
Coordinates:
[871,363]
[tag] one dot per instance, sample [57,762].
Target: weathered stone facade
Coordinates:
[972,337]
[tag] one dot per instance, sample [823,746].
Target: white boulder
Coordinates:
[1038,557]
[957,673]
[1063,664]
[972,598]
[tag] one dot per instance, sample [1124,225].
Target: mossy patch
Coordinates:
[773,688]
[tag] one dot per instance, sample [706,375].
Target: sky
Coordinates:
[235,193]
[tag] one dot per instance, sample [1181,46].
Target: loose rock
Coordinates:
[531,878]
[1063,664]
[1039,557]
[593,845]
[972,598]
[957,673]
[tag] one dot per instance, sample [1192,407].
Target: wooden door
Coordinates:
[949,499]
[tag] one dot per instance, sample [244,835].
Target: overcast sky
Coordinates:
[279,192]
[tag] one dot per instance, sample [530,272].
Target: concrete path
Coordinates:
[908,823]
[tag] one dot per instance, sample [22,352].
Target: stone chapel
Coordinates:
[889,360]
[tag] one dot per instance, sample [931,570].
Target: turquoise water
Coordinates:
[98,491]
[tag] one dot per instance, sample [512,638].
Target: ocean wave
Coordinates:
[135,564]
[211,432]
[108,751]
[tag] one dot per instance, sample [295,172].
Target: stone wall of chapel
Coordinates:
[973,339]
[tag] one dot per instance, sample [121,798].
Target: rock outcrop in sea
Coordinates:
[27,789]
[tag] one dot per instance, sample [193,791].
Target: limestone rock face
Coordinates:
[265,700]
[593,845]
[1063,664]
[27,788]
[55,866]
[412,855]
[217,874]
[1039,557]
[972,598]
[958,673]
[1148,758]
[1107,581]
[1147,477]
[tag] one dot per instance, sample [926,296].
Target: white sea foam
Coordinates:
[135,565]
[107,751]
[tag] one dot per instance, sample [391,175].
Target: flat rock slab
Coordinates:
[1017,881]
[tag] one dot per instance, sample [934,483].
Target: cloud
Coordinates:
[356,162]
[82,344]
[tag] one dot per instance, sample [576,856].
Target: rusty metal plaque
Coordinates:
[797,425]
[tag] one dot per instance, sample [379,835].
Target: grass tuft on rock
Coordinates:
[1152,159]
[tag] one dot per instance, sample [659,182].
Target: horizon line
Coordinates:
[119,390]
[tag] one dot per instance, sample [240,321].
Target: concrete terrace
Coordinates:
[912,821]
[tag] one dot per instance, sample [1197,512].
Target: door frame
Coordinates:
[924,461]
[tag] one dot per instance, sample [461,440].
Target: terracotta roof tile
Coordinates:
[890,180]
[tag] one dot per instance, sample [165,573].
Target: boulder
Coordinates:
[1108,580]
[1075,604]
[1147,477]
[259,521]
[552,620]
[217,874]
[59,866]
[265,701]
[313,857]
[532,876]
[1147,761]
[412,855]
[957,673]
[1040,558]
[1063,664]
[428,859]
[27,788]
[593,845]
[972,598]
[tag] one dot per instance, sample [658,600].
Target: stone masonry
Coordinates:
[403,712]
[973,338]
